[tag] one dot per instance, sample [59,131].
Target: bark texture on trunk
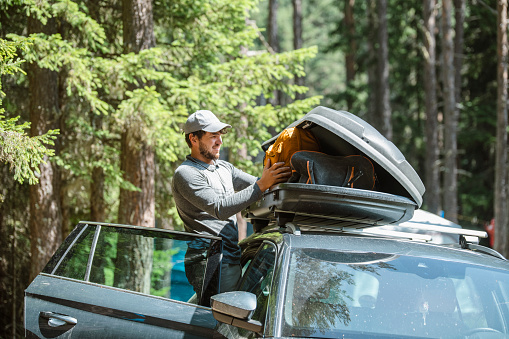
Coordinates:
[350,55]
[432,195]
[137,163]
[383,106]
[501,210]
[272,27]
[450,117]
[45,204]
[297,39]
[138,26]
[372,64]
[137,155]
[273,40]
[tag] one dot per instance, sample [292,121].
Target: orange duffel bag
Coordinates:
[291,140]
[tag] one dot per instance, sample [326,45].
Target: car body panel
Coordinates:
[107,312]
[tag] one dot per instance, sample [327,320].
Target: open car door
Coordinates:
[124,281]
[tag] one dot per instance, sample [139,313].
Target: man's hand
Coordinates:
[273,175]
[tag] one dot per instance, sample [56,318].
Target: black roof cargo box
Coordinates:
[398,193]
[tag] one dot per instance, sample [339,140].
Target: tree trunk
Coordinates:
[138,167]
[272,28]
[138,25]
[97,203]
[350,55]
[430,85]
[45,204]
[14,261]
[372,64]
[273,40]
[450,117]
[459,15]
[137,161]
[297,39]
[97,206]
[383,105]
[501,214]
[137,156]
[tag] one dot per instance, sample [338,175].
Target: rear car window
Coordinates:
[331,293]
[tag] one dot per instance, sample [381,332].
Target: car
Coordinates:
[318,265]
[120,281]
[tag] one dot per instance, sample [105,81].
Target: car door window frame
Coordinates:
[214,253]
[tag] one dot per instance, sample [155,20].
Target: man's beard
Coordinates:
[206,153]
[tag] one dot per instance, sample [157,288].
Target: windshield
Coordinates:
[331,293]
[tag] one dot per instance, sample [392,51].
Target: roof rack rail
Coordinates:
[466,244]
[468,239]
[297,228]
[445,229]
[392,234]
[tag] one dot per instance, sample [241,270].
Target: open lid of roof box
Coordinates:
[399,189]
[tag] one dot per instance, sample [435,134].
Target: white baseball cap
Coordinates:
[204,120]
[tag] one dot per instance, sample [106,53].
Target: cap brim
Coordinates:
[216,127]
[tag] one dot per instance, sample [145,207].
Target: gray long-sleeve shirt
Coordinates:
[209,196]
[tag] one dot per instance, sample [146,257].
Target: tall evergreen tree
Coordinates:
[297,39]
[383,108]
[501,201]
[450,190]
[45,203]
[352,50]
[371,63]
[137,158]
[273,40]
[432,167]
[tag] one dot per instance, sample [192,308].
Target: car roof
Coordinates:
[359,243]
[472,254]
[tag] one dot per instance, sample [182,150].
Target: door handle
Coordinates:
[56,319]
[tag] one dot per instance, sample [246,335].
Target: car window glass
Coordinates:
[504,292]
[140,262]
[331,292]
[258,278]
[469,302]
[74,262]
[173,265]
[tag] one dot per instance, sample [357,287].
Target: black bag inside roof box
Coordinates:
[398,189]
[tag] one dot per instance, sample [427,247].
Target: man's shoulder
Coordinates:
[186,169]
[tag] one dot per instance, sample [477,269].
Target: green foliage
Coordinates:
[197,63]
[161,267]
[22,152]
[9,63]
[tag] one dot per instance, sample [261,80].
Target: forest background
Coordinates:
[94,94]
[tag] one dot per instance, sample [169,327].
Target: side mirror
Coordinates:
[236,308]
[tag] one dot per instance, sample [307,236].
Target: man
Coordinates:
[209,192]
